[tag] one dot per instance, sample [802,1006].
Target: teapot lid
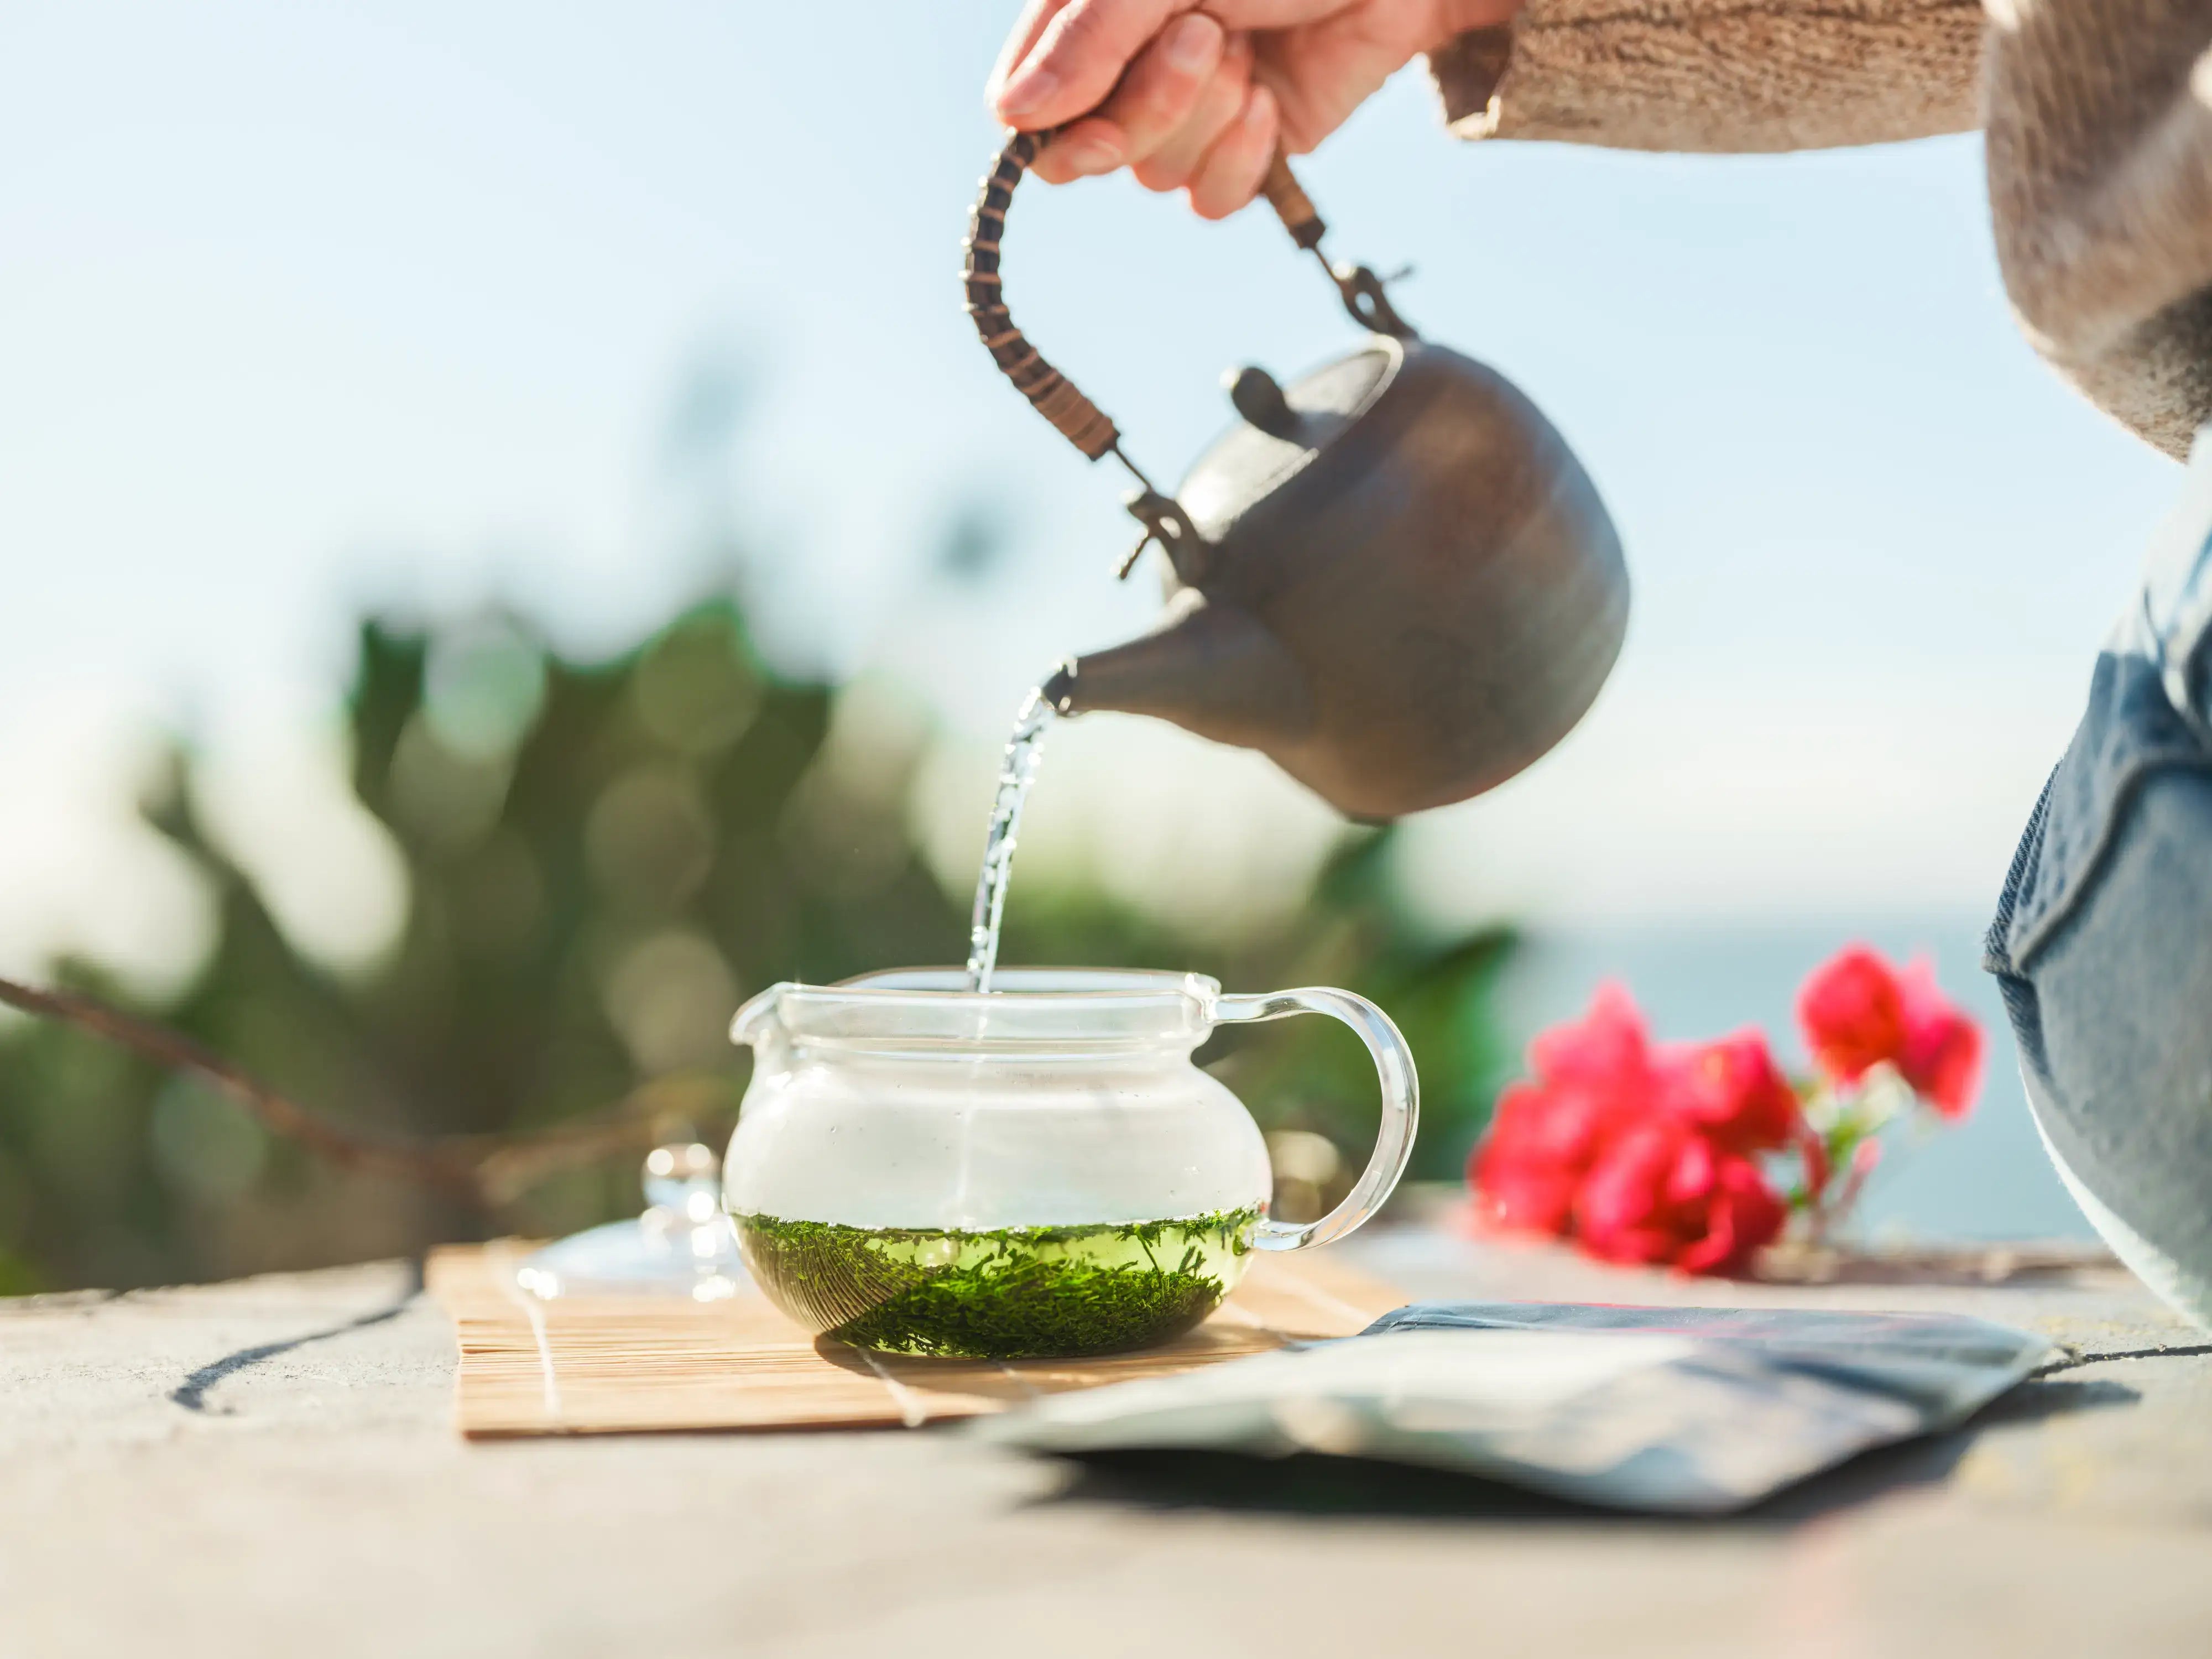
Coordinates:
[1284,430]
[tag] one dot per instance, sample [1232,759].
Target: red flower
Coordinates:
[1859,1012]
[1523,1178]
[1851,1009]
[1642,1154]
[1732,1090]
[1942,1054]
[1593,1078]
[1650,1155]
[1608,1051]
[1664,1193]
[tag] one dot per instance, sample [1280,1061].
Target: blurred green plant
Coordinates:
[602,859]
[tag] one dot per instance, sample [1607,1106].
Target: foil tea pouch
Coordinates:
[1687,1411]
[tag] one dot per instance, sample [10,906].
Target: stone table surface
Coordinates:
[269,1467]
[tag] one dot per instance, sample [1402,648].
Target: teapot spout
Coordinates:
[1212,667]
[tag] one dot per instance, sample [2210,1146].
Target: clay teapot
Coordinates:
[1392,575]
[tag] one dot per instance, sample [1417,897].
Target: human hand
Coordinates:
[1197,95]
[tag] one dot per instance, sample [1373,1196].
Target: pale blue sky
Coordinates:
[302,308]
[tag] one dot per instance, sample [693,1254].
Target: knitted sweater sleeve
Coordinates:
[2099,122]
[2101,189]
[1718,75]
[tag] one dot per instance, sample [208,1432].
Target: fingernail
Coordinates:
[1028,90]
[1190,43]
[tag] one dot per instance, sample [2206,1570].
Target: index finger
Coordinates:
[1078,56]
[1019,39]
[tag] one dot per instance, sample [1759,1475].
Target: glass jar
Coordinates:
[1039,1171]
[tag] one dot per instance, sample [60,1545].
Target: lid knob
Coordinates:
[1260,401]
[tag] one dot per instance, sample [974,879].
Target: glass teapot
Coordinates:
[1038,1171]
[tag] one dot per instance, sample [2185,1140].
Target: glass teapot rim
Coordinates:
[931,1009]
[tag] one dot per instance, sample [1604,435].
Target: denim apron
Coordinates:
[2102,944]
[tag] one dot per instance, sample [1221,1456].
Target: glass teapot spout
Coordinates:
[759,1026]
[1212,667]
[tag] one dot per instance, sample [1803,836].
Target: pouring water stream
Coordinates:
[1017,772]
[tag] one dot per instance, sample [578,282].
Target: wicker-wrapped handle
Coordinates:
[1293,205]
[1080,421]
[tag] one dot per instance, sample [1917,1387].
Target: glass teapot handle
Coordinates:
[1401,1106]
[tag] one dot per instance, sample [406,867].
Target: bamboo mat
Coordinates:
[624,1363]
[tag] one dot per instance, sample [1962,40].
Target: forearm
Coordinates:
[1724,75]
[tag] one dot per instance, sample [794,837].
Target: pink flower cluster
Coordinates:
[1659,1153]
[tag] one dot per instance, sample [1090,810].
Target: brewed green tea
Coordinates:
[1019,1292]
